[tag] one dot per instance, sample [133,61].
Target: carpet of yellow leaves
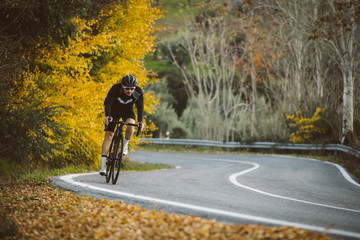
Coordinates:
[38,211]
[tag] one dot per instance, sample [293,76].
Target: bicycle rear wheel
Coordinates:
[118,160]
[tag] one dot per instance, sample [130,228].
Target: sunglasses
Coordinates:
[129,88]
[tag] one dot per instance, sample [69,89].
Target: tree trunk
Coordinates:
[347,66]
[253,96]
[319,83]
[348,105]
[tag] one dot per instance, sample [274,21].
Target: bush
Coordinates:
[304,129]
[166,120]
[29,135]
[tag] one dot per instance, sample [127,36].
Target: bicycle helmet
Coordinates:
[129,81]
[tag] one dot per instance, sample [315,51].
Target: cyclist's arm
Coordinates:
[107,120]
[109,100]
[140,108]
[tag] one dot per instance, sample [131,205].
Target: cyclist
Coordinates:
[119,103]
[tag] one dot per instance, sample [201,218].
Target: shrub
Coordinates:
[304,129]
[29,136]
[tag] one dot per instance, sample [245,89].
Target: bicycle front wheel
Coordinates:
[110,160]
[118,160]
[109,163]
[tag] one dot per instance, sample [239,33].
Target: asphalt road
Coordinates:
[252,189]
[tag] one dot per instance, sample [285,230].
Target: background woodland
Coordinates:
[231,70]
[261,71]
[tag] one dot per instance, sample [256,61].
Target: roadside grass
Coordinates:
[139,166]
[350,163]
[12,174]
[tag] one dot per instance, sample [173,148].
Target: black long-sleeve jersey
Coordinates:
[117,102]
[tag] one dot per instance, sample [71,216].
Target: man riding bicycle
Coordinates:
[119,103]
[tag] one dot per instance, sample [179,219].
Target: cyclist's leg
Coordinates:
[109,133]
[129,117]
[128,133]
[106,143]
[130,129]
[105,150]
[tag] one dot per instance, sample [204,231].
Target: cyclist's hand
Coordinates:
[107,120]
[141,126]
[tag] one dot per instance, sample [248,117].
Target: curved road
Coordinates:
[252,189]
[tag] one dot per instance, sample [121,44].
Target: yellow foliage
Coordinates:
[125,36]
[304,127]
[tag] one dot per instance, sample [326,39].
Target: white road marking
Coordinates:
[233,180]
[343,172]
[341,169]
[70,179]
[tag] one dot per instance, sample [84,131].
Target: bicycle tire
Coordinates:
[110,160]
[118,159]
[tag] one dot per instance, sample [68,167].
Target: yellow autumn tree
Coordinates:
[78,74]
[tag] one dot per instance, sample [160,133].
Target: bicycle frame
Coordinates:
[115,154]
[121,125]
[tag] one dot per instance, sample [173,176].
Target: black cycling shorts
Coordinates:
[129,113]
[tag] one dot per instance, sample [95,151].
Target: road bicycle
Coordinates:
[115,154]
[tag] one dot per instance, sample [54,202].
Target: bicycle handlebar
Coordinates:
[128,124]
